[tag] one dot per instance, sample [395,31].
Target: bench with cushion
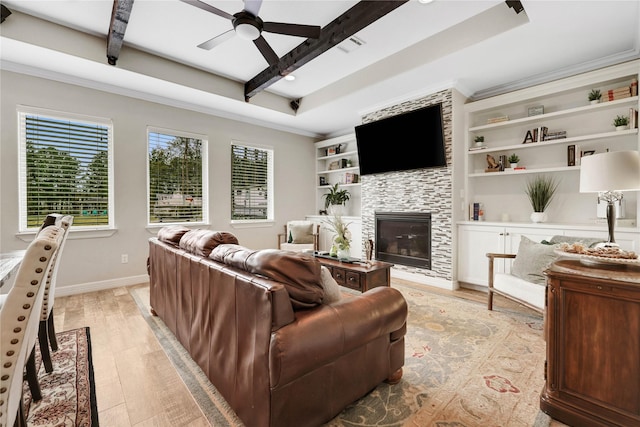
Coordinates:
[526,282]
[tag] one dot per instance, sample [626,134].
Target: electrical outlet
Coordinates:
[124,258]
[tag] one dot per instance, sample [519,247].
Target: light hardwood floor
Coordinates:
[136,384]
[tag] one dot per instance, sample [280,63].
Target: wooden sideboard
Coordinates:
[357,276]
[592,326]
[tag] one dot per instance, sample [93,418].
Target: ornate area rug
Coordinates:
[68,393]
[465,366]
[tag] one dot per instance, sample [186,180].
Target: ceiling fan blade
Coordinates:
[208,8]
[252,6]
[219,39]
[309,31]
[266,51]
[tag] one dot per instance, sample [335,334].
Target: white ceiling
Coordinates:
[479,47]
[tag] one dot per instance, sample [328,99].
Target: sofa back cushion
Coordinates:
[298,272]
[202,242]
[172,234]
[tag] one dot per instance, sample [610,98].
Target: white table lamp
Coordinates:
[609,174]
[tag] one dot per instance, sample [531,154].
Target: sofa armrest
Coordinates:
[325,333]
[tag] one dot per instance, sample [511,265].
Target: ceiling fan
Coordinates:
[248,25]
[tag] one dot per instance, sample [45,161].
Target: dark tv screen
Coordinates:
[412,140]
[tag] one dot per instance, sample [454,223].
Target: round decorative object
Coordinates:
[538,217]
[344,253]
[623,127]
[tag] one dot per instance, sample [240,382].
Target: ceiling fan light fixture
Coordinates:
[247,31]
[247,27]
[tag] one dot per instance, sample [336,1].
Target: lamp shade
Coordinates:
[611,171]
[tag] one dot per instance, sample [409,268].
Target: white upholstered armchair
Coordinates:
[299,235]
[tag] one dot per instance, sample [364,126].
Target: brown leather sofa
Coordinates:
[256,324]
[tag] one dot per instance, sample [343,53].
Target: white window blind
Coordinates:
[176,172]
[65,167]
[251,183]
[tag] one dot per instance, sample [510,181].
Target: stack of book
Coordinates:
[476,212]
[476,147]
[617,93]
[633,118]
[497,119]
[560,134]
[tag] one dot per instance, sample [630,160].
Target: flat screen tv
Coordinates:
[411,140]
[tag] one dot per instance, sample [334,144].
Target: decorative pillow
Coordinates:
[231,254]
[300,231]
[532,259]
[201,242]
[299,273]
[330,286]
[172,234]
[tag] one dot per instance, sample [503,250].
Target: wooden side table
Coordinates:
[357,276]
[592,327]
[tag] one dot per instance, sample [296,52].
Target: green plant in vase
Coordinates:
[595,95]
[335,197]
[540,191]
[513,160]
[621,121]
[342,238]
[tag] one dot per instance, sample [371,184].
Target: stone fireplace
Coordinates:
[427,192]
[403,238]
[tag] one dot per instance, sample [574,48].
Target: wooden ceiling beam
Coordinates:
[117,26]
[355,19]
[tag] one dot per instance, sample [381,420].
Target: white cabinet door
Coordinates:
[473,244]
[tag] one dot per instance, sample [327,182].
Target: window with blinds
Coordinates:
[176,177]
[251,183]
[65,167]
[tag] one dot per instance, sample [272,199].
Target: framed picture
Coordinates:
[536,110]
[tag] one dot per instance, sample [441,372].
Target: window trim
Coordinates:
[270,219]
[205,177]
[23,111]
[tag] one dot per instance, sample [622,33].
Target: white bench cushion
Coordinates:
[521,289]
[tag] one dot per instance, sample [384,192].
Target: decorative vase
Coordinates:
[595,101]
[337,210]
[513,165]
[623,127]
[538,217]
[333,251]
[344,253]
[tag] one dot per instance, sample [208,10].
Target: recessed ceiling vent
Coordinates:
[350,44]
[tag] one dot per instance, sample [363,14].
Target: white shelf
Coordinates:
[338,156]
[326,187]
[525,171]
[349,151]
[571,140]
[568,112]
[351,169]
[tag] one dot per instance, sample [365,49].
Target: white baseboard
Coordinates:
[424,280]
[63,291]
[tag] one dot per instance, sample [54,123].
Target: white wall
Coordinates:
[97,260]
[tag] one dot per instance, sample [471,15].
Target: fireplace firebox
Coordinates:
[403,238]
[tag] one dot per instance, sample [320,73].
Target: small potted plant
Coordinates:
[540,191]
[479,140]
[513,160]
[336,199]
[621,122]
[594,96]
